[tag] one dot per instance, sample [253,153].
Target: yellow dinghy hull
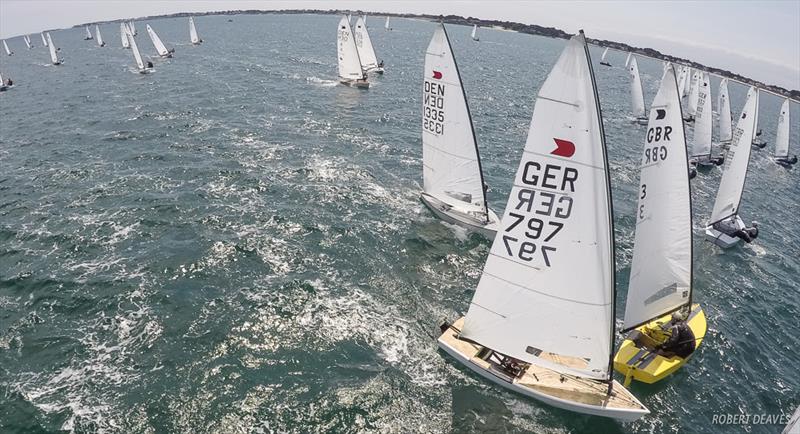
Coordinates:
[640,363]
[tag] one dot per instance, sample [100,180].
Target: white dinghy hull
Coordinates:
[355,83]
[722,240]
[453,215]
[545,385]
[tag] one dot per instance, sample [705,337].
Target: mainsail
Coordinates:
[27,41]
[694,91]
[451,164]
[701,145]
[88,34]
[123,33]
[386,26]
[97,34]
[734,172]
[349,62]
[548,283]
[44,41]
[53,55]
[661,269]
[135,50]
[193,32]
[782,138]
[366,52]
[160,48]
[637,95]
[628,59]
[603,56]
[474,31]
[8,52]
[724,109]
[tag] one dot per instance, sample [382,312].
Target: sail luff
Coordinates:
[782,137]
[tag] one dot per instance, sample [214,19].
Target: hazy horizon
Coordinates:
[756,40]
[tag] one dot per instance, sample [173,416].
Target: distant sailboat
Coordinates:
[758,141]
[539,323]
[474,33]
[350,71]
[53,56]
[661,270]
[724,109]
[143,69]
[4,85]
[8,52]
[682,77]
[88,36]
[386,26]
[782,138]
[132,28]
[160,48]
[193,33]
[628,59]
[637,94]
[603,59]
[726,228]
[366,52]
[27,40]
[44,41]
[123,33]
[701,144]
[693,96]
[98,36]
[453,185]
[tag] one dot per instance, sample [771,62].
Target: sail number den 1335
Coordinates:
[539,215]
[433,108]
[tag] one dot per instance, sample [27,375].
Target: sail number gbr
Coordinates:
[433,108]
[538,215]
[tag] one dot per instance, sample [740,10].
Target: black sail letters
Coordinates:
[433,108]
[542,208]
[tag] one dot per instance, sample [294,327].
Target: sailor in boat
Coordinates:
[680,340]
[729,227]
[10,83]
[784,161]
[758,141]
[149,65]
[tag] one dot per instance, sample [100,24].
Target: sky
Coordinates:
[757,39]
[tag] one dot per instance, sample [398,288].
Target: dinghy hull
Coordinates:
[453,215]
[569,393]
[636,360]
[723,240]
[605,64]
[355,83]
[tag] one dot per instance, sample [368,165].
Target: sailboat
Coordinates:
[160,48]
[603,59]
[724,109]
[782,138]
[350,71]
[132,28]
[386,25]
[694,92]
[758,141]
[453,185]
[474,33]
[366,52]
[661,269]
[44,41]
[637,94]
[8,52]
[701,144]
[193,33]
[123,33]
[3,85]
[98,36]
[53,56]
[27,40]
[682,77]
[88,36]
[143,69]
[541,322]
[725,220]
[628,59]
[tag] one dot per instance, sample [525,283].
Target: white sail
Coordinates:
[366,52]
[132,28]
[724,109]
[628,60]
[8,52]
[98,36]
[603,56]
[474,30]
[386,26]
[682,80]
[44,41]
[734,172]
[135,49]
[694,91]
[53,55]
[349,62]
[193,32]
[123,33]
[160,48]
[687,85]
[637,95]
[88,33]
[548,283]
[661,269]
[782,138]
[27,41]
[703,119]
[450,161]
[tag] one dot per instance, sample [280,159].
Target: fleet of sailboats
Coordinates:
[453,184]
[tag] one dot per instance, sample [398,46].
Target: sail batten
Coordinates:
[530,303]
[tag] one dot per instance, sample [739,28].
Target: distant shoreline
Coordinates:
[531,29]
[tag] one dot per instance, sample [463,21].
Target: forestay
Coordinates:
[450,161]
[637,95]
[349,63]
[366,52]
[701,145]
[661,270]
[548,283]
[782,138]
[160,48]
[734,172]
[193,32]
[724,109]
[53,55]
[123,33]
